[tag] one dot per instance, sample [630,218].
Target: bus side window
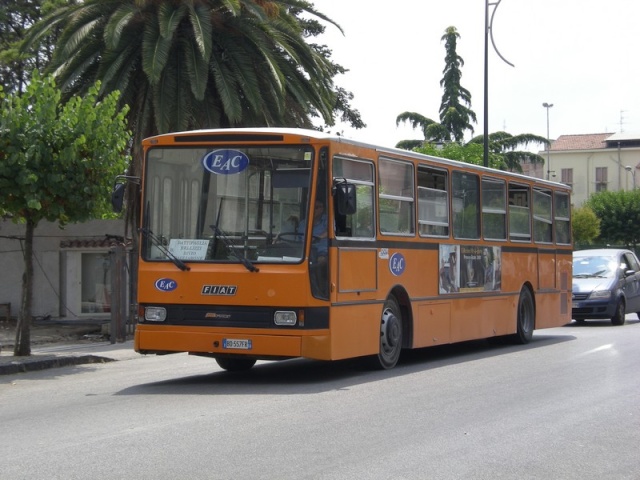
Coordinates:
[361,223]
[465,205]
[519,213]
[433,202]
[562,218]
[542,216]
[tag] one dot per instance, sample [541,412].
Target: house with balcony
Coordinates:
[591,163]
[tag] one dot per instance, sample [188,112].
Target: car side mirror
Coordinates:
[628,273]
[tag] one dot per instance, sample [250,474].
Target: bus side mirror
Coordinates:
[345,198]
[117,197]
[119,186]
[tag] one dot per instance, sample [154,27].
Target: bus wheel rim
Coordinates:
[391,332]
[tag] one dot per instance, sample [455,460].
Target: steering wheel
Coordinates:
[289,237]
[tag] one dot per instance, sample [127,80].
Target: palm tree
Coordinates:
[504,146]
[205,63]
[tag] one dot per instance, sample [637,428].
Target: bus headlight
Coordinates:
[155,314]
[285,318]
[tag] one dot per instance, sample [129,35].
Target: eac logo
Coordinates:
[166,284]
[397,264]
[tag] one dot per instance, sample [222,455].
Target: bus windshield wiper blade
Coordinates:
[158,243]
[218,232]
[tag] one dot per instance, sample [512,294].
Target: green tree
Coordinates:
[469,153]
[16,65]
[504,149]
[619,215]
[57,163]
[431,130]
[585,225]
[455,110]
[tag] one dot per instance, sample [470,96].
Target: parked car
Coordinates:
[606,284]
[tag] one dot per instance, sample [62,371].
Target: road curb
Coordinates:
[31,364]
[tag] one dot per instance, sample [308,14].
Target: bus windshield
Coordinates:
[226,204]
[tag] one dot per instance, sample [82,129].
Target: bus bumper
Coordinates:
[154,339]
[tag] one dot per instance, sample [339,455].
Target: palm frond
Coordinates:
[155,51]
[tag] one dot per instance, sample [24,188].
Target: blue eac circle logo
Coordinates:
[166,284]
[225,162]
[397,264]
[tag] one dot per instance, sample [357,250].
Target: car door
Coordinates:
[632,282]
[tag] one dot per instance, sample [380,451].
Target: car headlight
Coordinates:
[600,294]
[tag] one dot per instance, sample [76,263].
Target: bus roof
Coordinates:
[247,133]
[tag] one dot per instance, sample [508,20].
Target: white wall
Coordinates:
[49,280]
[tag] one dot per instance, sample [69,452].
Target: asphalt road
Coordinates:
[563,407]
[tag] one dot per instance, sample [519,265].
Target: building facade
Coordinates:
[72,268]
[591,163]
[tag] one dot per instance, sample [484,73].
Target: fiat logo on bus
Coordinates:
[225,161]
[397,264]
[166,284]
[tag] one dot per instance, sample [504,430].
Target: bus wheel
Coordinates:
[235,364]
[390,335]
[526,317]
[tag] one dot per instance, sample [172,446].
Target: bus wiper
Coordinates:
[218,232]
[158,243]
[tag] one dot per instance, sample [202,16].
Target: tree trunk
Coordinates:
[22,347]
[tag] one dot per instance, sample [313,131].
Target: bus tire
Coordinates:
[526,318]
[390,336]
[235,364]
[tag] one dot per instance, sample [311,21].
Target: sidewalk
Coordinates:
[59,344]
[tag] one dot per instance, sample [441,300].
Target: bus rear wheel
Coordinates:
[390,335]
[526,317]
[235,364]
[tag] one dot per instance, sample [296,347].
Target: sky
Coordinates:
[582,56]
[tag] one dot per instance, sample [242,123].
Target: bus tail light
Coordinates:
[155,314]
[285,318]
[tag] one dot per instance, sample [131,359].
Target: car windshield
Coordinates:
[600,266]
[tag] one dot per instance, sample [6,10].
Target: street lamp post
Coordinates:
[548,106]
[633,174]
[488,34]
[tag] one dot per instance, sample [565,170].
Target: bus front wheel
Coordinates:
[235,364]
[390,335]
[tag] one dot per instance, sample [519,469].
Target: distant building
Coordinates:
[591,163]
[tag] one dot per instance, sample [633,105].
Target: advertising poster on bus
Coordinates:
[469,268]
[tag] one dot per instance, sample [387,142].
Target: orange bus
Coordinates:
[283,243]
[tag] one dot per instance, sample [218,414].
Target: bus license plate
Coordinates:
[236,343]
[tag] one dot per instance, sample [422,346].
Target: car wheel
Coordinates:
[618,316]
[235,364]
